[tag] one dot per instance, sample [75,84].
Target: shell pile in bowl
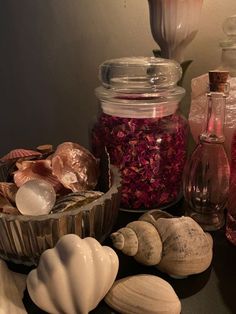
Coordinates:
[46,193]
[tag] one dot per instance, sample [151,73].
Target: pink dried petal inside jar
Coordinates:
[150,155]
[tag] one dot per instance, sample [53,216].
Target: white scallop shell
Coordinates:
[73,277]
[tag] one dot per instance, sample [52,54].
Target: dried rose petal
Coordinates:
[150,154]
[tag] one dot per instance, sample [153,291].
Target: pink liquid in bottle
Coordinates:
[231,214]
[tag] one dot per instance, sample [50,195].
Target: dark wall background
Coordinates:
[50,51]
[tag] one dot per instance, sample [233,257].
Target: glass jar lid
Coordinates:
[140,87]
[140,74]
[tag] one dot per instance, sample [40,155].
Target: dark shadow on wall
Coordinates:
[47,75]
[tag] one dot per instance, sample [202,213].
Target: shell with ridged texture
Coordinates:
[141,240]
[143,294]
[182,249]
[187,249]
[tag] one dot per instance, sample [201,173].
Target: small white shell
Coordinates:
[73,277]
[143,294]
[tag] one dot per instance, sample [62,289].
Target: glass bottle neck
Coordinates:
[214,131]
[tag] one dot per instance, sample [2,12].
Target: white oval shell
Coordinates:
[74,276]
[143,294]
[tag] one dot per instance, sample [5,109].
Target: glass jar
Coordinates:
[143,131]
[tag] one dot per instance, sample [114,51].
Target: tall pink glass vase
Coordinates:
[174,24]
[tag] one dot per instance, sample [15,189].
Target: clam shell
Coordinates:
[19,153]
[76,199]
[143,294]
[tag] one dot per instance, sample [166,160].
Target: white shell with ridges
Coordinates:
[73,277]
[143,294]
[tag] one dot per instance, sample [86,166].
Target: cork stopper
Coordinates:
[218,81]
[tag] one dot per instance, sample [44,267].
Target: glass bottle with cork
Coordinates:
[207,172]
[199,87]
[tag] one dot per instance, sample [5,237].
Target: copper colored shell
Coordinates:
[76,168]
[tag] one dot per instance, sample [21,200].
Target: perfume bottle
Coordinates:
[199,87]
[207,172]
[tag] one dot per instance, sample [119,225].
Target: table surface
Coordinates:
[211,292]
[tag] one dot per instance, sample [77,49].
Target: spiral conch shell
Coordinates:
[183,247]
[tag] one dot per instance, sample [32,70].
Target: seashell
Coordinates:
[35,169]
[185,248]
[75,200]
[143,294]
[46,148]
[154,214]
[12,286]
[141,240]
[75,167]
[74,276]
[46,151]
[6,207]
[19,153]
[8,190]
